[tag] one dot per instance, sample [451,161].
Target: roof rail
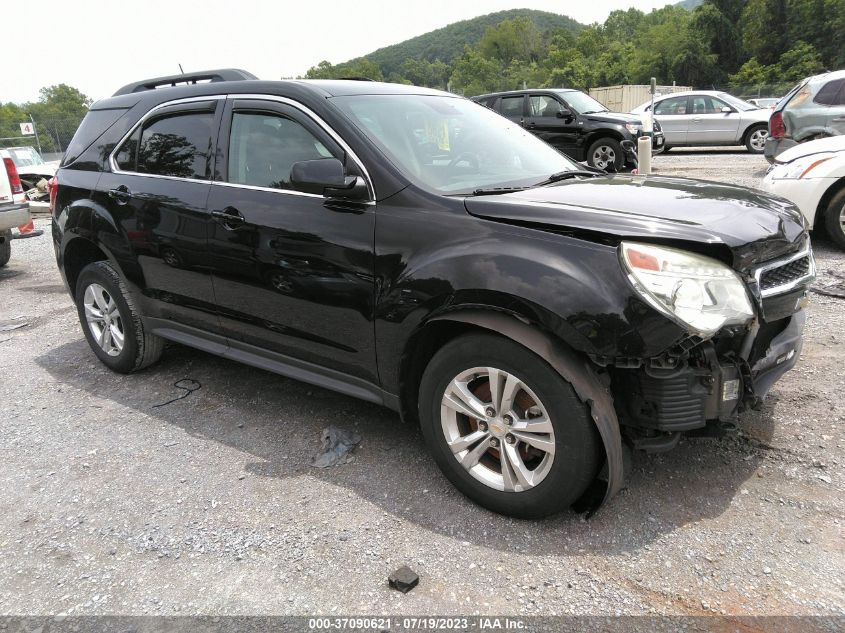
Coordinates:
[221,74]
[355,79]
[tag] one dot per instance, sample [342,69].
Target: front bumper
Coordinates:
[714,386]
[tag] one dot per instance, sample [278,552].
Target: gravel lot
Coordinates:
[208,505]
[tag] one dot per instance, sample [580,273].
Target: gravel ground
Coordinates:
[208,505]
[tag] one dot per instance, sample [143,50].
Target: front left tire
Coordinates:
[111,322]
[506,428]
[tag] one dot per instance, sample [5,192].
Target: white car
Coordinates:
[14,209]
[31,167]
[703,118]
[812,175]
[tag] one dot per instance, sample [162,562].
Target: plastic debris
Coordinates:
[403,579]
[336,446]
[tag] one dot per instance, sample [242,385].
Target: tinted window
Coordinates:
[95,123]
[511,106]
[543,105]
[264,147]
[128,152]
[177,145]
[676,105]
[832,93]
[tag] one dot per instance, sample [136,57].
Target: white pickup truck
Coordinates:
[14,209]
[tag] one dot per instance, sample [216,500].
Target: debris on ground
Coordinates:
[831,287]
[336,447]
[8,326]
[403,579]
[188,384]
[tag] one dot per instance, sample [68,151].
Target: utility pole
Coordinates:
[35,129]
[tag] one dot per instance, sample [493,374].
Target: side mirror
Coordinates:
[566,115]
[327,177]
[727,110]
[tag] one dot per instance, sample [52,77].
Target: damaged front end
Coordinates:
[701,384]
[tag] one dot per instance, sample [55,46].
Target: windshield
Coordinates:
[739,104]
[452,145]
[582,103]
[25,157]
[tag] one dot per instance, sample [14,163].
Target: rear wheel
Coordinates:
[607,154]
[755,139]
[111,322]
[505,428]
[834,219]
[5,247]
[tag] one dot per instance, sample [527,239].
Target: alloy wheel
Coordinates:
[497,429]
[604,156]
[757,140]
[104,320]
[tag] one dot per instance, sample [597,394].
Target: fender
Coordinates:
[579,373]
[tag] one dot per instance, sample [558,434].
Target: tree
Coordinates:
[516,39]
[802,60]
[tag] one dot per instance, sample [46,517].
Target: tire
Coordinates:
[755,139]
[551,480]
[834,219]
[5,247]
[101,288]
[666,148]
[606,153]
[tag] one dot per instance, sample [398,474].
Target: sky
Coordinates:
[98,46]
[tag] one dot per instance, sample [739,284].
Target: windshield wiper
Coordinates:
[492,191]
[573,173]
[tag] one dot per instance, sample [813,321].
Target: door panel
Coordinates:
[158,194]
[709,125]
[543,120]
[293,272]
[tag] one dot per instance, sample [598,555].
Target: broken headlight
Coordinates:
[700,292]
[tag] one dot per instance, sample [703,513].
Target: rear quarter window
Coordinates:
[93,126]
[832,93]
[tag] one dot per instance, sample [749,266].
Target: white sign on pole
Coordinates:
[27,129]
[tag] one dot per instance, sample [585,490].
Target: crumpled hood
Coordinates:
[754,226]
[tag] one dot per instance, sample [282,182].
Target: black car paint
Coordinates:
[336,292]
[573,135]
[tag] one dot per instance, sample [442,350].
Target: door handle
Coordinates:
[229,216]
[532,124]
[839,119]
[696,120]
[120,194]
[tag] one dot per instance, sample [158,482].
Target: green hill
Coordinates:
[689,5]
[449,41]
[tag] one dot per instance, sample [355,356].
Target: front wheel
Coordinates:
[606,154]
[111,322]
[505,428]
[755,139]
[834,219]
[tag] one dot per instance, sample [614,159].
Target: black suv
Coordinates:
[410,248]
[574,123]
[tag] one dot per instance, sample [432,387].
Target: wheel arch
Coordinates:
[744,138]
[573,367]
[79,253]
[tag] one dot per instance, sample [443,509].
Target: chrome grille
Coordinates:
[782,275]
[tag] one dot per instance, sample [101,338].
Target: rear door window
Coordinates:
[832,93]
[673,106]
[512,106]
[177,145]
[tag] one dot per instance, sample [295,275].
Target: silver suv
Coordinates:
[813,109]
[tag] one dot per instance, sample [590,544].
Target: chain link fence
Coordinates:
[51,136]
[758,91]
